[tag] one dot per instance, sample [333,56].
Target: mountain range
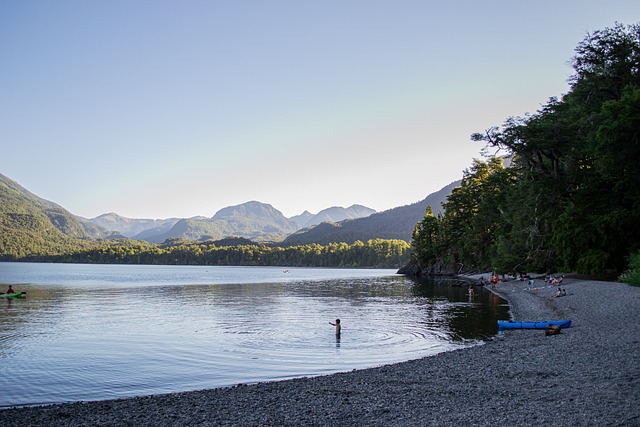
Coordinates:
[396,223]
[252,220]
[25,217]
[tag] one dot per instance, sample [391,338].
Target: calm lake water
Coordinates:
[93,332]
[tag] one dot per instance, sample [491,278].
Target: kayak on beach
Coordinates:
[512,324]
[14,295]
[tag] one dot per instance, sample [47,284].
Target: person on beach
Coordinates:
[10,290]
[338,327]
[471,291]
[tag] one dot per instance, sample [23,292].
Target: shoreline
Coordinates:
[587,375]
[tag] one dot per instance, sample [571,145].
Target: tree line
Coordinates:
[375,253]
[569,198]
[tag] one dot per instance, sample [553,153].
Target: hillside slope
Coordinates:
[30,225]
[396,223]
[130,227]
[253,220]
[337,214]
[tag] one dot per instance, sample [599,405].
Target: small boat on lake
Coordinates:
[513,324]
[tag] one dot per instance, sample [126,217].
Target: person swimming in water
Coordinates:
[337,325]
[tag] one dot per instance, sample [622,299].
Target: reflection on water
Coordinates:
[98,332]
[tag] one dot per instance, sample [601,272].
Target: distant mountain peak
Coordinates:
[108,216]
[338,214]
[332,214]
[251,209]
[132,227]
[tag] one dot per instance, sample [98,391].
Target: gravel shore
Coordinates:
[589,375]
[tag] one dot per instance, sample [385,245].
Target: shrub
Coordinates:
[632,275]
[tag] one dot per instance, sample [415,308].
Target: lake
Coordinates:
[94,332]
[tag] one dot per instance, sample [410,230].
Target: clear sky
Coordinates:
[157,109]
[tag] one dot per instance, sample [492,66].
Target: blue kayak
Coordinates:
[512,324]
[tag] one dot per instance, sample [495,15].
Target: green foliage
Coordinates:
[571,196]
[632,275]
[426,238]
[31,227]
[376,253]
[472,214]
[28,236]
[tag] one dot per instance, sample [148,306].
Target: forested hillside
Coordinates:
[30,225]
[34,229]
[130,227]
[252,220]
[333,214]
[570,200]
[397,223]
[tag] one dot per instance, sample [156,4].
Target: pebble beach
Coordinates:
[588,375]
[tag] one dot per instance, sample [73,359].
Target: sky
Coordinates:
[159,109]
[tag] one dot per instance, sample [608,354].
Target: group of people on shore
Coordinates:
[553,281]
[557,281]
[493,280]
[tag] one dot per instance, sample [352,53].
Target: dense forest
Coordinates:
[375,253]
[569,196]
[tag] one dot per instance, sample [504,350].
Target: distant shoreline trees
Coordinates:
[375,253]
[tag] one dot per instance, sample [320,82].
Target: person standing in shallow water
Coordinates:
[338,327]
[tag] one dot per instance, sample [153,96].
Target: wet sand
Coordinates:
[589,375]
